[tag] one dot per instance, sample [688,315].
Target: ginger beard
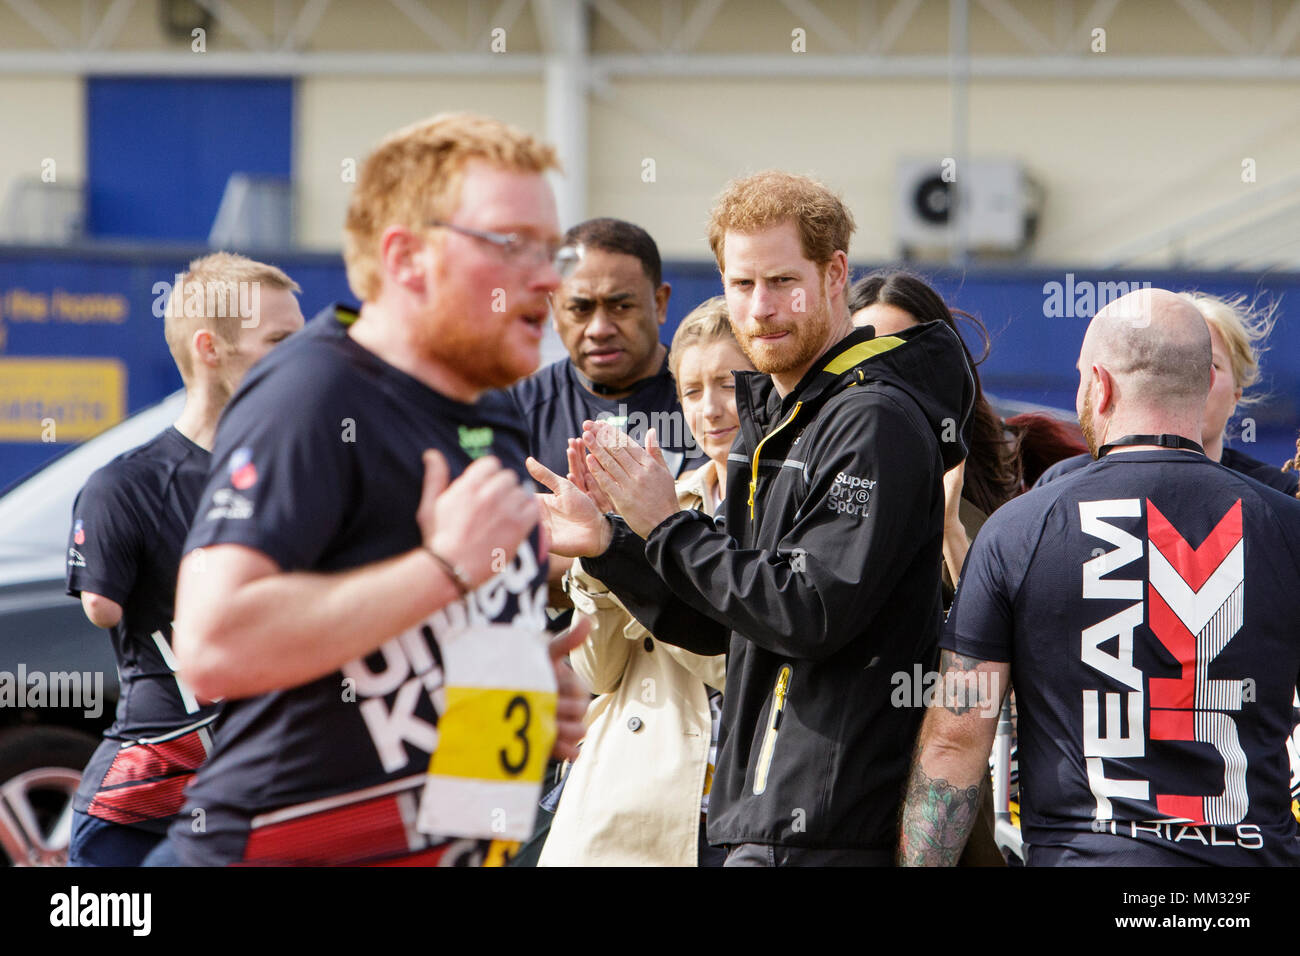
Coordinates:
[478,352]
[465,328]
[807,339]
[1088,425]
[1085,425]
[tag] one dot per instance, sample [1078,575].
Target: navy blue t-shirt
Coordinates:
[554,403]
[128,525]
[317,465]
[1146,604]
[1287,482]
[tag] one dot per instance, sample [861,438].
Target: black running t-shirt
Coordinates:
[318,465]
[128,525]
[1146,605]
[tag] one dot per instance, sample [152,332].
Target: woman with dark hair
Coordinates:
[1001,453]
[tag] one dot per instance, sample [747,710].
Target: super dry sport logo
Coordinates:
[850,495]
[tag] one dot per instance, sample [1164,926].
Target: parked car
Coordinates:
[43,631]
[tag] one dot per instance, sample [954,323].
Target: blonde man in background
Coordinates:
[221,318]
[128,524]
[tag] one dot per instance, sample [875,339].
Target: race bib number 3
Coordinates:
[494,736]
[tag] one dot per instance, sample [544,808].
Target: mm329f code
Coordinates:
[1221,898]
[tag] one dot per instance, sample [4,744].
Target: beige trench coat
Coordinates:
[632,797]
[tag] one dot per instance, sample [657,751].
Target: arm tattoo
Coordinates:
[937,820]
[961,690]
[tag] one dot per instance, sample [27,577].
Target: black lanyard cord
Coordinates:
[1164,441]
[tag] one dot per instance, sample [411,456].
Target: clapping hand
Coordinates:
[636,480]
[571,522]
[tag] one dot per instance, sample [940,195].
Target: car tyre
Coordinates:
[40,770]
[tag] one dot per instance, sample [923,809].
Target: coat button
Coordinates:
[634,724]
[649,644]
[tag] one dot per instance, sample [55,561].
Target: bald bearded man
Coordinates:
[1143,608]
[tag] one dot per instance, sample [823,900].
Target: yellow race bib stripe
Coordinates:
[495,734]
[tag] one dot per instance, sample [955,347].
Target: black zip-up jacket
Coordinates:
[823,587]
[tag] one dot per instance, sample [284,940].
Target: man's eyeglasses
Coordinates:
[524,250]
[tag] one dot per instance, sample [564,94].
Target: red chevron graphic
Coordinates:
[1171,713]
[1181,643]
[1194,565]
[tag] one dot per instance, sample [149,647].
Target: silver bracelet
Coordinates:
[457,576]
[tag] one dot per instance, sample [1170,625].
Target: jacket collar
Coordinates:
[840,365]
[759,404]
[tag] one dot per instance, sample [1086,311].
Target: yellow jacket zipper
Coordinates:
[753,476]
[773,727]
